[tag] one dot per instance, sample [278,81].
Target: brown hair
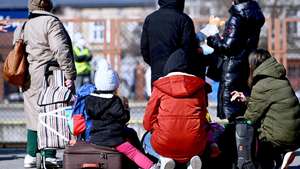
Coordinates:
[255,59]
[44,5]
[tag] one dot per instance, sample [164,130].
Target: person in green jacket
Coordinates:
[82,56]
[273,108]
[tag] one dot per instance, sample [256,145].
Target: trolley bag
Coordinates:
[83,155]
[53,131]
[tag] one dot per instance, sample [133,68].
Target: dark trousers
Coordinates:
[269,156]
[131,135]
[227,146]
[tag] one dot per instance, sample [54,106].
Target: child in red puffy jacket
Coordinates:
[176,115]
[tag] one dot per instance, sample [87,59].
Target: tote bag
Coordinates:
[53,131]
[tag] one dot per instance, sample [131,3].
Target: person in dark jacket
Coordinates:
[165,31]
[274,108]
[109,116]
[239,39]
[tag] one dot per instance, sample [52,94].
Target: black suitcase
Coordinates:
[83,155]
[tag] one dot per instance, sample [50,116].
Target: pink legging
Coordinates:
[135,155]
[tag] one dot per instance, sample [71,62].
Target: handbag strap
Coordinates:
[34,15]
[21,36]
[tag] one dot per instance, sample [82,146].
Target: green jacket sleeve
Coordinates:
[259,102]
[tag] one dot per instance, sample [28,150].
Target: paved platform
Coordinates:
[13,159]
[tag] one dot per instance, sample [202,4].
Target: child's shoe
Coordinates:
[166,163]
[29,161]
[195,163]
[288,159]
[214,150]
[155,166]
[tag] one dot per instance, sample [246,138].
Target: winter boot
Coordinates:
[244,135]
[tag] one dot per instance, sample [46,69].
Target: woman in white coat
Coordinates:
[46,41]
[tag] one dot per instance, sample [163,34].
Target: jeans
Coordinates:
[148,147]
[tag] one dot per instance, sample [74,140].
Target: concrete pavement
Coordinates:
[13,159]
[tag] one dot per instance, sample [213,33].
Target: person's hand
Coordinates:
[206,49]
[72,142]
[216,21]
[238,96]
[3,23]
[69,84]
[212,27]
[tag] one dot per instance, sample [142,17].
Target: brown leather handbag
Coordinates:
[15,69]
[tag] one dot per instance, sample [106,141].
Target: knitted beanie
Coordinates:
[106,79]
[44,5]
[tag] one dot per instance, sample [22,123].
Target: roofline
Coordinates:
[94,5]
[108,5]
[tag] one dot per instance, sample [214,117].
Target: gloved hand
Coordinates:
[206,49]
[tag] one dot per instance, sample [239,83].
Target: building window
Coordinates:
[97,32]
[294,71]
[292,26]
[70,28]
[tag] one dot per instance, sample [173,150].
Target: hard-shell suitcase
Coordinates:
[83,155]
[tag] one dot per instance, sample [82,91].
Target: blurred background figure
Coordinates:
[148,82]
[83,56]
[127,76]
[3,23]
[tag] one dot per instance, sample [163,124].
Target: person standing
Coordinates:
[83,56]
[46,41]
[240,38]
[165,31]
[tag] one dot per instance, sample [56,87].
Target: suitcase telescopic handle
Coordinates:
[92,166]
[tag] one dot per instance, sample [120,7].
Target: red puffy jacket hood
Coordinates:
[175,114]
[179,85]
